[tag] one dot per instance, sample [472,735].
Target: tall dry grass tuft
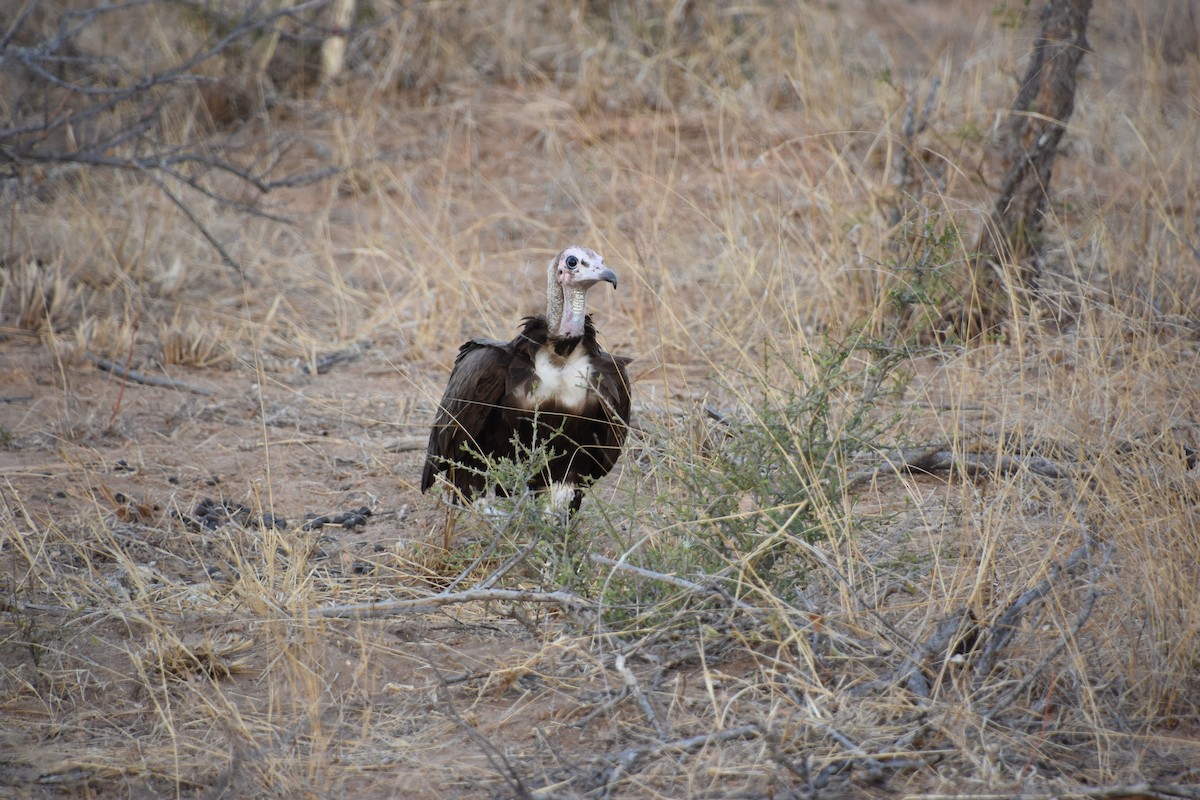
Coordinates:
[842,553]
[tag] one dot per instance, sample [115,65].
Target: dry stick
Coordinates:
[1082,618]
[912,668]
[939,458]
[491,580]
[1004,627]
[1037,745]
[494,755]
[385,607]
[631,684]
[515,559]
[904,459]
[874,767]
[466,572]
[333,49]
[12,607]
[325,363]
[932,458]
[600,708]
[701,589]
[627,759]
[1151,791]
[776,750]
[674,580]
[149,380]
[741,605]
[226,258]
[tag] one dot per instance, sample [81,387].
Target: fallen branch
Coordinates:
[956,632]
[682,583]
[1131,791]
[874,767]
[9,606]
[87,119]
[930,459]
[627,760]
[495,756]
[1085,613]
[385,607]
[327,362]
[635,689]
[961,631]
[148,380]
[404,444]
[1003,629]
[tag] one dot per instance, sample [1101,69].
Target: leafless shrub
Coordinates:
[87,86]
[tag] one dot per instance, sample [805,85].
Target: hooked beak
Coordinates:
[588,276]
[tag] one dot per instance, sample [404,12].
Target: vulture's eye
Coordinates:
[572,262]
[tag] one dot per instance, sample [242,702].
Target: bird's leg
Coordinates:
[448,528]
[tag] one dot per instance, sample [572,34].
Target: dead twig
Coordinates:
[1088,603]
[631,684]
[930,459]
[327,362]
[1002,631]
[385,607]
[148,380]
[627,760]
[1126,791]
[674,580]
[956,632]
[88,127]
[494,755]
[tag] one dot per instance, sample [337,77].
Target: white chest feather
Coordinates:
[566,381]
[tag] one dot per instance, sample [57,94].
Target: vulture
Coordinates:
[551,387]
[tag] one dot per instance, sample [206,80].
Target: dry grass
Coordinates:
[159,636]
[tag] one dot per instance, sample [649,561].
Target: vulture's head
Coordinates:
[571,273]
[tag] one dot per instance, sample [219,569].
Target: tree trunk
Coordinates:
[1036,125]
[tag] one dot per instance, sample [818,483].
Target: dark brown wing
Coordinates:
[612,426]
[473,394]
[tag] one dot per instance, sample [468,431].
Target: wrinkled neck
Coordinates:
[574,313]
[566,310]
